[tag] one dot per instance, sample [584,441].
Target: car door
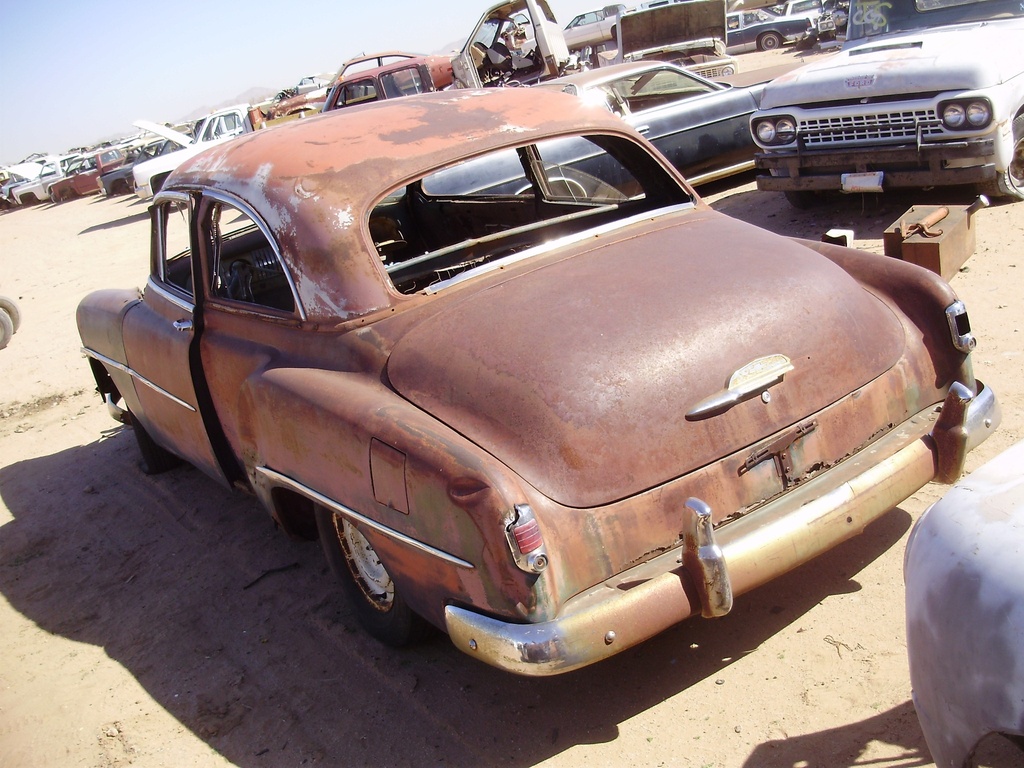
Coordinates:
[744,38]
[159,334]
[697,126]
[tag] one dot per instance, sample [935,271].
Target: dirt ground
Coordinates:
[163,621]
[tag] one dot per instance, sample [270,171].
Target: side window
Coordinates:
[358,92]
[229,124]
[173,261]
[500,173]
[402,82]
[243,265]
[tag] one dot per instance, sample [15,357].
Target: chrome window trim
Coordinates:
[136,376]
[341,509]
[157,268]
[171,296]
[229,199]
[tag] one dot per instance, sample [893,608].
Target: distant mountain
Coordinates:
[251,96]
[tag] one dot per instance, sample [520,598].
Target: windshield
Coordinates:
[870,18]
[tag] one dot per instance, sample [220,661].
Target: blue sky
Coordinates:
[76,72]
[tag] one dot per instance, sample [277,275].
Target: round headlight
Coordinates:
[765,131]
[954,116]
[978,113]
[785,130]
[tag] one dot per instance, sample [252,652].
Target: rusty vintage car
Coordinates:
[520,380]
[362,79]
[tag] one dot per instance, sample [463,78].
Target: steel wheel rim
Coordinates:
[367,570]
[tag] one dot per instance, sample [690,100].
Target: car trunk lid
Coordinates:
[579,374]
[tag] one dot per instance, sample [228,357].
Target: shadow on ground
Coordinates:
[240,634]
[868,215]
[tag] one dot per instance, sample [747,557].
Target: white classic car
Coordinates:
[964,572]
[924,93]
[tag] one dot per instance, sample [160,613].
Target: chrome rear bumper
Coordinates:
[809,520]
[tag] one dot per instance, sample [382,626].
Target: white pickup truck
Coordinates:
[924,93]
[215,128]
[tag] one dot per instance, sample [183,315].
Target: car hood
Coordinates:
[25,171]
[923,61]
[579,374]
[164,132]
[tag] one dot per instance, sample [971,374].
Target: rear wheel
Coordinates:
[376,599]
[769,41]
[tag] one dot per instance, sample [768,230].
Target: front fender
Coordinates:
[100,319]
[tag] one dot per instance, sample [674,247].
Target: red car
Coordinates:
[397,75]
[519,379]
[83,174]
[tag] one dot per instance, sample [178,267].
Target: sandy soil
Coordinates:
[162,621]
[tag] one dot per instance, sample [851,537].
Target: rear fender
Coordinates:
[347,439]
[921,296]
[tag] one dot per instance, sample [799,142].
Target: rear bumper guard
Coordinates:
[703,574]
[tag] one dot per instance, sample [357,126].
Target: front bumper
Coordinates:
[938,164]
[809,520]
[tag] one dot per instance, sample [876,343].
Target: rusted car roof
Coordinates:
[316,175]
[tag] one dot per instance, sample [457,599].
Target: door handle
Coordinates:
[183,325]
[643,128]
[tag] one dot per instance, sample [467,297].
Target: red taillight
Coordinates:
[525,540]
[528,536]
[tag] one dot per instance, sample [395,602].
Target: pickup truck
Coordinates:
[691,34]
[592,28]
[763,30]
[919,96]
[16,176]
[513,43]
[37,190]
[215,128]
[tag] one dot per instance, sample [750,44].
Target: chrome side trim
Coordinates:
[341,509]
[721,173]
[136,376]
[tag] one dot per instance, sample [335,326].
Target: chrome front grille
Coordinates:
[896,126]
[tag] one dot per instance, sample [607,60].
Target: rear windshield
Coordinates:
[510,201]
